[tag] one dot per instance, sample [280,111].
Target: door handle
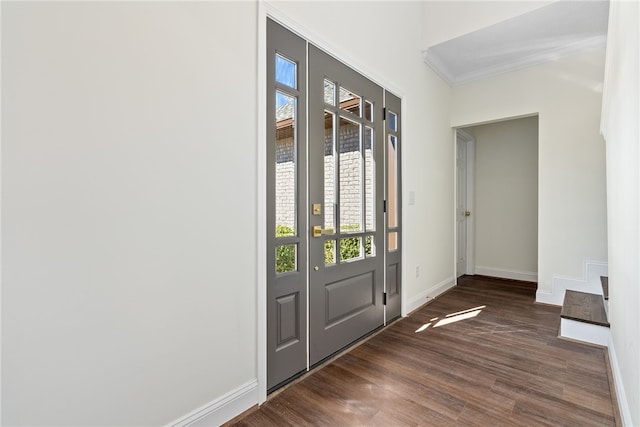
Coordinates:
[467,213]
[319,231]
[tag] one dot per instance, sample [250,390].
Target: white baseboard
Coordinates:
[589,282]
[585,332]
[623,403]
[222,409]
[507,274]
[426,296]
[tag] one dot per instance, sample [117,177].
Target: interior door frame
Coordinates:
[266,10]
[465,137]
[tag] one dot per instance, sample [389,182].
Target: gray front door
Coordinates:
[346,201]
[330,162]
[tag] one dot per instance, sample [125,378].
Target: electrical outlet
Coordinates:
[417,271]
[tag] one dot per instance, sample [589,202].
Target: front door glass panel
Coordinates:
[369,179]
[351,183]
[286,171]
[392,180]
[351,249]
[350,102]
[329,172]
[286,258]
[329,92]
[286,71]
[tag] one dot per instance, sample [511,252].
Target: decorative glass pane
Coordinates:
[349,101]
[286,71]
[350,248]
[286,258]
[329,92]
[393,121]
[369,246]
[369,180]
[392,183]
[286,158]
[329,252]
[393,241]
[329,171]
[368,111]
[351,188]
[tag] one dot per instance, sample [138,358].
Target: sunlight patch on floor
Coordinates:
[452,318]
[457,318]
[423,327]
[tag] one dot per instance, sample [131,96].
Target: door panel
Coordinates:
[349,297]
[288,320]
[346,180]
[393,138]
[286,217]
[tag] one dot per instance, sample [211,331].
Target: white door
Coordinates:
[464,200]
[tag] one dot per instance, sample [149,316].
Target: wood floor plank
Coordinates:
[489,356]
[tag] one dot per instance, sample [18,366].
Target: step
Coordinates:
[584,307]
[605,286]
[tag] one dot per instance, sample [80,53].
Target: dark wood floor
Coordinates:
[501,364]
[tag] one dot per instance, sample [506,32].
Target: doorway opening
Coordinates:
[501,226]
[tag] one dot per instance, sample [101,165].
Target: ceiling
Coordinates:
[541,35]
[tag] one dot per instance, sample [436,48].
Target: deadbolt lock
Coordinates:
[467,213]
[316,209]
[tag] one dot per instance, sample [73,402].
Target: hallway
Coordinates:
[481,354]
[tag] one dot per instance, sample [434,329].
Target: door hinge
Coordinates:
[384,206]
[384,113]
[384,298]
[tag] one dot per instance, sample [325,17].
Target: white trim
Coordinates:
[470,202]
[585,332]
[261,168]
[623,403]
[527,276]
[431,293]
[529,61]
[454,192]
[606,84]
[1,275]
[439,67]
[590,282]
[222,409]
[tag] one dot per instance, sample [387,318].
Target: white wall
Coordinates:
[393,59]
[506,198]
[620,129]
[129,227]
[566,94]
[130,246]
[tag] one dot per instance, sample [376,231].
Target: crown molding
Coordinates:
[548,55]
[438,67]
